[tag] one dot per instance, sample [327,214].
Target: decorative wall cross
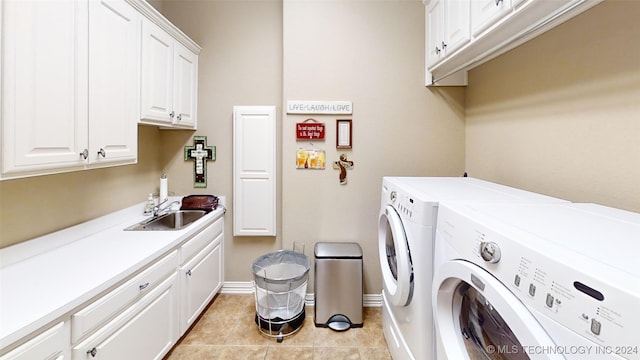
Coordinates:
[343,165]
[200,153]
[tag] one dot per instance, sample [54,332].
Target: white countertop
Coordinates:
[49,277]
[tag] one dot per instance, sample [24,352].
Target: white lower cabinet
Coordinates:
[91,317]
[52,344]
[144,316]
[201,280]
[146,330]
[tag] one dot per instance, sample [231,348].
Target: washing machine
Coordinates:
[536,281]
[407,218]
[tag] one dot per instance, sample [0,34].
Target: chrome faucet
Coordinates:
[158,210]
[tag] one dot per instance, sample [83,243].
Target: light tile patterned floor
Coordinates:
[227,330]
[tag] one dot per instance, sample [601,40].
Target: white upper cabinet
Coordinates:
[462,34]
[485,13]
[157,74]
[114,48]
[70,91]
[169,91]
[185,86]
[70,86]
[447,28]
[44,86]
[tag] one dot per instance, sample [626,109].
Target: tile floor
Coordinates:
[227,330]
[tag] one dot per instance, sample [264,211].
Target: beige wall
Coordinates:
[370,53]
[36,206]
[561,114]
[240,64]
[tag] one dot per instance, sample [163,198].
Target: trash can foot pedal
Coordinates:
[339,323]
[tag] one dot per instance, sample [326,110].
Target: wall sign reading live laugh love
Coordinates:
[320,107]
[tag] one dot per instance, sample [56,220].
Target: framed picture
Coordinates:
[344,134]
[311,159]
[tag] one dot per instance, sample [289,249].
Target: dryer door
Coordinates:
[395,259]
[477,317]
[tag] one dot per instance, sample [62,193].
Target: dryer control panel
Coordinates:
[589,297]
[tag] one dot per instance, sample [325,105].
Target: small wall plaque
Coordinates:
[310,129]
[344,134]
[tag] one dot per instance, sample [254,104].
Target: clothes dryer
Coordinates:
[407,218]
[536,281]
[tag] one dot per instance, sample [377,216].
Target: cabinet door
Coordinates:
[202,278]
[457,26]
[485,13]
[185,80]
[254,176]
[147,330]
[51,344]
[157,74]
[434,27]
[114,43]
[44,85]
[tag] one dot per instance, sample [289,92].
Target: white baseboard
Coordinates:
[246,287]
[237,287]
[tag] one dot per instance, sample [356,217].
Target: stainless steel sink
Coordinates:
[174,220]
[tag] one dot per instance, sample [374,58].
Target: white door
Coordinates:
[254,171]
[157,74]
[185,86]
[395,257]
[114,43]
[477,317]
[44,85]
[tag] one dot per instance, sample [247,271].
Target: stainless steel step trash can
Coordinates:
[338,285]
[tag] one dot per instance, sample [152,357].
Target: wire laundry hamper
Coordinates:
[280,280]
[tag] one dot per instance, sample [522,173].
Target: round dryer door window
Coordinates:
[477,317]
[395,259]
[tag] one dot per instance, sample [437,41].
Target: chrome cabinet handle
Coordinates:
[143,286]
[437,50]
[179,117]
[188,272]
[172,114]
[102,153]
[444,46]
[85,154]
[498,2]
[92,352]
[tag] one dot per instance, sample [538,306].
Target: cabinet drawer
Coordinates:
[201,240]
[87,319]
[51,344]
[145,330]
